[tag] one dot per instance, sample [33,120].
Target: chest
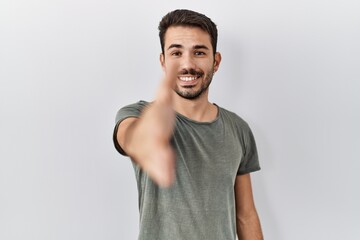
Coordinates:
[208,153]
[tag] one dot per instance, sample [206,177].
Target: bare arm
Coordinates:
[147,139]
[247,220]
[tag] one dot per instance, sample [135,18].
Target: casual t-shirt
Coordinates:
[201,202]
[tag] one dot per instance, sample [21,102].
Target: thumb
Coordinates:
[167,85]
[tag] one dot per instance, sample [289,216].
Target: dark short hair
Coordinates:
[183,17]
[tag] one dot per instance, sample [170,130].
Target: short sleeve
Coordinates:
[132,110]
[249,161]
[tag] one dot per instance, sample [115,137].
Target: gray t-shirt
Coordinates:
[201,202]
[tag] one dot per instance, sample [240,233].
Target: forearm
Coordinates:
[248,227]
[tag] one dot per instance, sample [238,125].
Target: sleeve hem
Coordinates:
[116,143]
[248,171]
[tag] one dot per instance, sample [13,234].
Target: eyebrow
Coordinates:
[175,46]
[194,47]
[200,47]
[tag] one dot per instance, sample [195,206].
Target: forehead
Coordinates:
[185,36]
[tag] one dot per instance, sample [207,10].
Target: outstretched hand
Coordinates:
[149,144]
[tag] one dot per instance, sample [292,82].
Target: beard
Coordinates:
[190,94]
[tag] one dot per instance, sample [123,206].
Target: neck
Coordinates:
[199,109]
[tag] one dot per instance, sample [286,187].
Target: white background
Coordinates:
[290,68]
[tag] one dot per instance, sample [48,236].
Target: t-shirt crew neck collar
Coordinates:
[198,122]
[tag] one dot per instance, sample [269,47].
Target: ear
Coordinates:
[162,61]
[217,60]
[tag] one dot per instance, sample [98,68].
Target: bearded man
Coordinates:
[192,158]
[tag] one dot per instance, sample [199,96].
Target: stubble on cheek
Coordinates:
[190,93]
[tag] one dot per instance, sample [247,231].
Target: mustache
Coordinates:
[191,71]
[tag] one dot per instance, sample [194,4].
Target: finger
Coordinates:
[171,73]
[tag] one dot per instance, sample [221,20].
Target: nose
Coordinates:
[188,62]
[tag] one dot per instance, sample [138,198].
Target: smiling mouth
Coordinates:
[188,78]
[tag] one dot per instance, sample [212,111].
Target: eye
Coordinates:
[176,53]
[199,53]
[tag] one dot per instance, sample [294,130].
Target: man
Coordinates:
[192,158]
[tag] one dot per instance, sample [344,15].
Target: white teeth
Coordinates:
[187,78]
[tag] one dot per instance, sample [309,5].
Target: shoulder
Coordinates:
[136,106]
[131,110]
[234,119]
